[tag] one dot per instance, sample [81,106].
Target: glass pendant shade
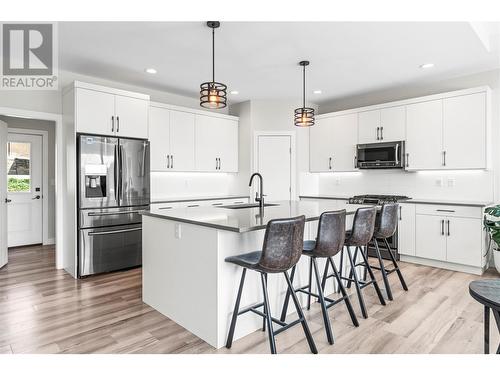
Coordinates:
[213,95]
[304,116]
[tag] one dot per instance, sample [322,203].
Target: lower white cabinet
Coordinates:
[406,229]
[448,236]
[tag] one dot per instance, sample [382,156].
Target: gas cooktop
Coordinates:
[377,199]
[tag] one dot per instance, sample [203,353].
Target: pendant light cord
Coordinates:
[304,88]
[213,55]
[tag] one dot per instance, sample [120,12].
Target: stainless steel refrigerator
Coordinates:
[113,188]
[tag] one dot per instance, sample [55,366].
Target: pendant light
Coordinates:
[304,116]
[213,94]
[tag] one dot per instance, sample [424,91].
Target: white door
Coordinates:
[131,116]
[206,143]
[424,135]
[182,141]
[464,131]
[159,135]
[406,229]
[464,240]
[24,189]
[3,195]
[393,124]
[369,126]
[430,241]
[275,166]
[320,145]
[95,112]
[227,139]
[343,142]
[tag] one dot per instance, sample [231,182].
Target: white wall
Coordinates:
[467,185]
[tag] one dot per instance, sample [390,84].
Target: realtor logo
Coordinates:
[29,60]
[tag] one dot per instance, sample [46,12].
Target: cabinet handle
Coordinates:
[171,161]
[381,133]
[117,124]
[220,164]
[448,227]
[112,124]
[330,162]
[444,158]
[442,227]
[400,216]
[378,129]
[442,210]
[355,162]
[168,161]
[216,163]
[407,160]
[193,205]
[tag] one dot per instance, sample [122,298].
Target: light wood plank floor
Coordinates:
[44,310]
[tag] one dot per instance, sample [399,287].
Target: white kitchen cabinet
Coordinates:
[107,113]
[182,141]
[430,240]
[131,117]
[424,135]
[464,129]
[320,148]
[95,112]
[406,229]
[159,134]
[216,141]
[332,145]
[464,240]
[382,125]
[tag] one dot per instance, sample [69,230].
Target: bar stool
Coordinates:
[329,241]
[386,224]
[361,234]
[281,251]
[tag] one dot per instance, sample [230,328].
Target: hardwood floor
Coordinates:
[44,310]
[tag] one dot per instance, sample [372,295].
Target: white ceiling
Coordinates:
[260,59]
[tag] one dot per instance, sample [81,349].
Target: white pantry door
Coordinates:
[3,195]
[24,189]
[275,166]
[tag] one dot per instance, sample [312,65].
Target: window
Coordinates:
[18,167]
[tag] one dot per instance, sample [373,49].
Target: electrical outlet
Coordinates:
[178,232]
[451,182]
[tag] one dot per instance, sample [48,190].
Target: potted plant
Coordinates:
[492,225]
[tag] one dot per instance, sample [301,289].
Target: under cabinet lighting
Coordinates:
[151,70]
[234,92]
[317,92]
[427,66]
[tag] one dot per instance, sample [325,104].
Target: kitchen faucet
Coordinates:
[257,198]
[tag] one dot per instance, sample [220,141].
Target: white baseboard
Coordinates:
[50,241]
[441,264]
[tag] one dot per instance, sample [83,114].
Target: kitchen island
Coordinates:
[186,278]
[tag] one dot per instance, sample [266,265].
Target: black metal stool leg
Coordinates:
[365,269]
[287,297]
[496,314]
[396,266]
[383,271]
[265,312]
[310,282]
[486,330]
[230,336]
[270,331]
[353,269]
[372,277]
[358,287]
[302,318]
[347,300]
[326,319]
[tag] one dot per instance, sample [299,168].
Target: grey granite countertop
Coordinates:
[249,219]
[452,202]
[196,199]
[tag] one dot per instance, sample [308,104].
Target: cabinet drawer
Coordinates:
[448,210]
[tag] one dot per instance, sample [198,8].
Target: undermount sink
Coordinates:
[248,205]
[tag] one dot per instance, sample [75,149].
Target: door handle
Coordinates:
[444,158]
[378,129]
[117,124]
[220,164]
[400,216]
[407,160]
[216,163]
[330,162]
[171,161]
[355,162]
[7,200]
[36,197]
[112,124]
[168,161]
[442,227]
[448,227]
[114,232]
[381,133]
[113,213]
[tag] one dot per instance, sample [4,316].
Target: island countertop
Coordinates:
[249,219]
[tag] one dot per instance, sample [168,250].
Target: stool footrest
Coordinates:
[387,271]
[332,301]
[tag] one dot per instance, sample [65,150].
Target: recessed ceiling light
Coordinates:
[150,70]
[234,92]
[317,92]
[426,66]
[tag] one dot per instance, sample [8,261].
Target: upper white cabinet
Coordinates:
[464,131]
[216,141]
[105,111]
[424,131]
[333,144]
[382,125]
[181,141]
[159,134]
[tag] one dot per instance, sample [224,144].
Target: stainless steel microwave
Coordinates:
[380,155]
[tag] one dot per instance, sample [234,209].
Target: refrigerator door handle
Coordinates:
[120,183]
[116,173]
